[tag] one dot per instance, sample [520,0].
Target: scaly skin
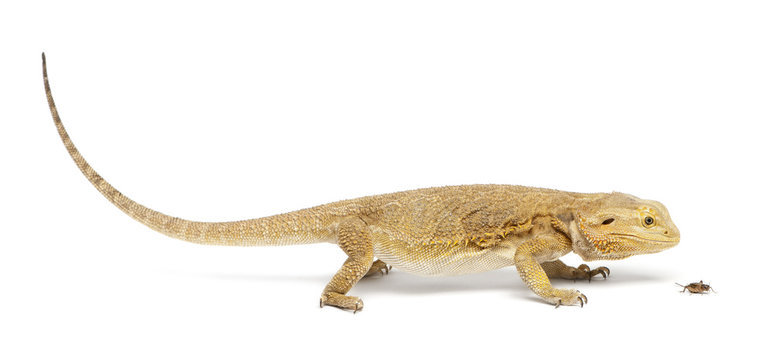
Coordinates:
[437,231]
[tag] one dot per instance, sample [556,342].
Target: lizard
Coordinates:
[439,231]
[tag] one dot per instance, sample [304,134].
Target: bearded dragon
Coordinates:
[437,231]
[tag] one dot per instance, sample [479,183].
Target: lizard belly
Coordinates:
[442,259]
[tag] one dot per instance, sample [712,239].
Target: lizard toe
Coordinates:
[378,267]
[567,297]
[343,302]
[584,272]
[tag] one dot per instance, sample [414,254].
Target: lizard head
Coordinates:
[618,225]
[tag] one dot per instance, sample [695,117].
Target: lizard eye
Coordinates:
[608,221]
[648,221]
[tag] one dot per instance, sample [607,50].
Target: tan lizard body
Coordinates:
[437,231]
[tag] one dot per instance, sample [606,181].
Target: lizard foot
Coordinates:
[341,301]
[567,297]
[378,267]
[583,272]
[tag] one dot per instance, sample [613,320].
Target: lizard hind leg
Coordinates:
[355,239]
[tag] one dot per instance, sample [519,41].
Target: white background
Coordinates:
[238,110]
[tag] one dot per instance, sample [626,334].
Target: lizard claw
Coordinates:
[378,267]
[568,297]
[584,272]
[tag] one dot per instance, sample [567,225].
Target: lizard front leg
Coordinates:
[528,257]
[558,269]
[355,239]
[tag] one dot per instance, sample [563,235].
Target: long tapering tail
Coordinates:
[300,227]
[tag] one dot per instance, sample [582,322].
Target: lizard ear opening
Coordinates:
[608,221]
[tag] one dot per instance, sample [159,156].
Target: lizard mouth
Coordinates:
[661,240]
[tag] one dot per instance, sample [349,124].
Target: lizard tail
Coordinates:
[300,227]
